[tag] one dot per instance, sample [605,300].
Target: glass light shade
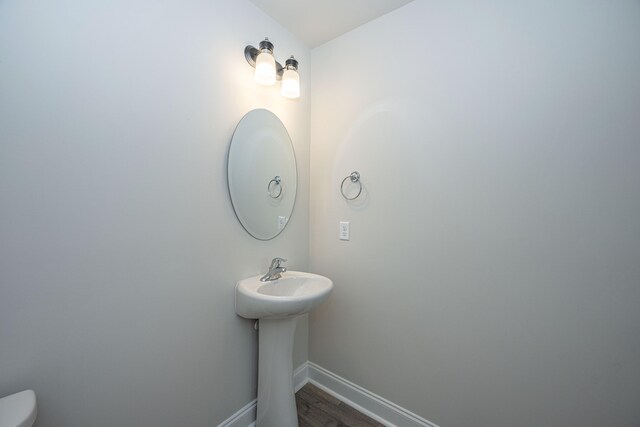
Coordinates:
[290,84]
[266,69]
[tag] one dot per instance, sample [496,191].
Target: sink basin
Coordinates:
[293,294]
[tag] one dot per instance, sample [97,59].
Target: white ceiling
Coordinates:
[318,21]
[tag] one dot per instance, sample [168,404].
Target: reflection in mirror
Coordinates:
[261,173]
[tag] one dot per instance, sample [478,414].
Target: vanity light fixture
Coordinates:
[268,70]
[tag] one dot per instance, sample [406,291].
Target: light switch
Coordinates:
[344,230]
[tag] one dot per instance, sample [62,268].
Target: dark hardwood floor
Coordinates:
[319,409]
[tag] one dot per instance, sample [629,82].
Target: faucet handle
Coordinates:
[275,263]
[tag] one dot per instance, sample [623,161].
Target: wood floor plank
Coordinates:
[317,408]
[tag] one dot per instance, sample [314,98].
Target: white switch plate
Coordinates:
[282,221]
[344,230]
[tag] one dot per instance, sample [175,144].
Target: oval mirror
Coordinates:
[261,173]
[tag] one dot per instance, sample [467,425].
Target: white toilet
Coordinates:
[18,410]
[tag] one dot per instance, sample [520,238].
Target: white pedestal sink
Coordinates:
[277,304]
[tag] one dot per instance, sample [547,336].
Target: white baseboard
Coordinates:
[300,376]
[245,417]
[363,400]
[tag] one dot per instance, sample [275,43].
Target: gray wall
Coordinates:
[119,248]
[493,272]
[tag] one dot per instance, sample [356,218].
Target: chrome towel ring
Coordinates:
[271,188]
[355,178]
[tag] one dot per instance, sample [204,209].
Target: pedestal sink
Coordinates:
[277,304]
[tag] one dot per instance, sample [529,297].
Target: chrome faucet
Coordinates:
[275,270]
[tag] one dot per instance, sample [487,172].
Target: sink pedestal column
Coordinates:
[276,399]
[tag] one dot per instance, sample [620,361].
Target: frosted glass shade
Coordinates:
[266,69]
[290,84]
